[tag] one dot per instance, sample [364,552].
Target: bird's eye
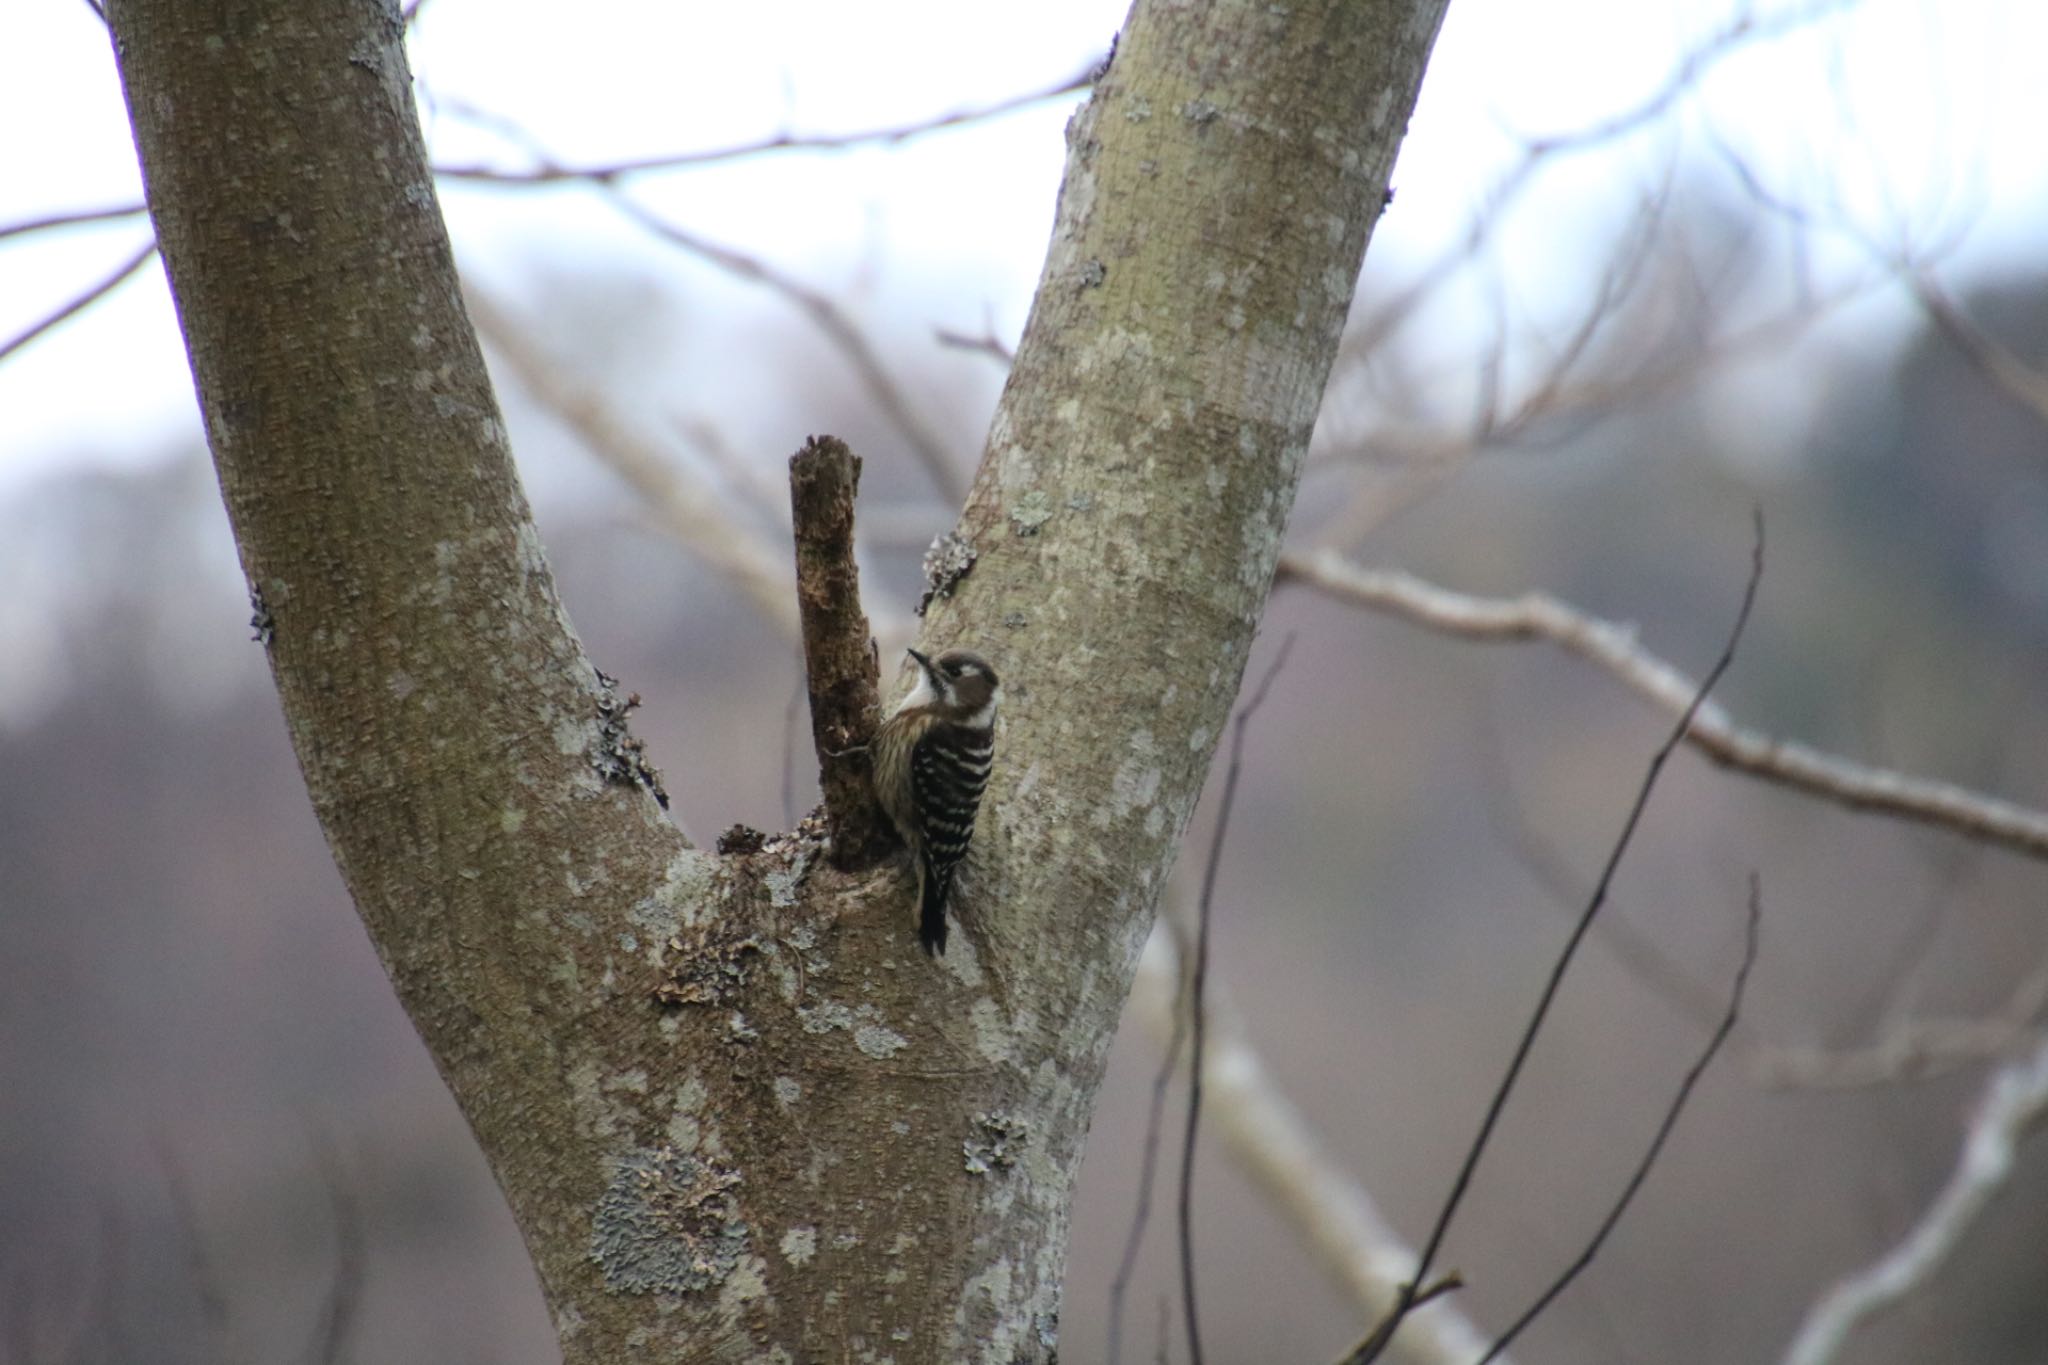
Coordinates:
[952,670]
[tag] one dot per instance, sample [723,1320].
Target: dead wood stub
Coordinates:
[841,670]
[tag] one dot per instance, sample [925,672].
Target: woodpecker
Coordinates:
[932,759]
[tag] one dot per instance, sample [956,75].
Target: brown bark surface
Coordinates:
[840,667]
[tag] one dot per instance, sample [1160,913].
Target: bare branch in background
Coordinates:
[698,520]
[2024,383]
[213,1301]
[1747,29]
[1913,1049]
[1954,863]
[1538,616]
[83,301]
[344,1298]
[1903,1051]
[1275,1146]
[1419,1285]
[2014,1105]
[1198,980]
[77,218]
[547,172]
[824,313]
[833,322]
[1554,404]
[1637,952]
[1171,1019]
[747,480]
[1662,1135]
[988,344]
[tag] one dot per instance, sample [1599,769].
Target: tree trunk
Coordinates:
[736,1113]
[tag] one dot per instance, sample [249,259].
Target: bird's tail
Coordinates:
[931,920]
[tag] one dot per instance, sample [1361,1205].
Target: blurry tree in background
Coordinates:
[225,1143]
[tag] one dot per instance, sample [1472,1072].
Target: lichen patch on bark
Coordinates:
[667,1223]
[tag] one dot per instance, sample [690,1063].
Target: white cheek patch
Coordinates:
[920,695]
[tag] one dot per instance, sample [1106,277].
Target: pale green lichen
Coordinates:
[783,882]
[686,1128]
[667,1223]
[994,1038]
[1031,511]
[878,1042]
[995,1144]
[799,1245]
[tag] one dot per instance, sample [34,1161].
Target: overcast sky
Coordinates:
[1911,119]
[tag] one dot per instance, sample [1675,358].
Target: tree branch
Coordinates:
[1537,616]
[1910,1050]
[688,510]
[72,218]
[2014,1105]
[2020,381]
[1419,1285]
[1274,1144]
[1198,982]
[550,172]
[839,648]
[82,301]
[1665,1127]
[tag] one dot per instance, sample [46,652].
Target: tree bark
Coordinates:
[735,1112]
[840,668]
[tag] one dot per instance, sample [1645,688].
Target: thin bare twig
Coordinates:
[2025,384]
[751,483]
[1663,1134]
[826,315]
[1537,616]
[345,1292]
[2014,1107]
[1197,980]
[685,507]
[213,1301]
[1912,1049]
[74,218]
[1275,1146]
[829,318]
[1903,1052]
[988,344]
[1952,865]
[1159,946]
[1637,952]
[548,172]
[1419,1284]
[79,304]
[1745,30]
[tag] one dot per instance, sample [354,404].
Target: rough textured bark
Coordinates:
[735,1112]
[840,667]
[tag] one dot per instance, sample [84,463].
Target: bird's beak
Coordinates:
[922,662]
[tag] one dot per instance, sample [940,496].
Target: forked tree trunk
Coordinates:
[735,1112]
